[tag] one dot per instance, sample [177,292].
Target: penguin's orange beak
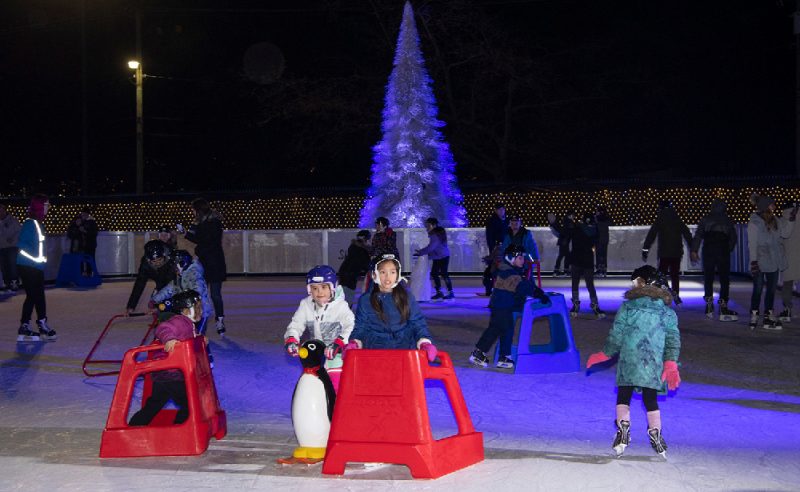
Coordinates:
[303,352]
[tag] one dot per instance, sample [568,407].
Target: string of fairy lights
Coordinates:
[626,207]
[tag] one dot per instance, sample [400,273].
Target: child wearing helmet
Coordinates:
[188,276]
[511,288]
[156,264]
[645,336]
[327,315]
[169,384]
[388,317]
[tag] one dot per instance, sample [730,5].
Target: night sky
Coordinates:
[254,95]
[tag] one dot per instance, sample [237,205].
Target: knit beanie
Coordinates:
[761,203]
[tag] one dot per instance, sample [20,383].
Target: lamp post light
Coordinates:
[135,65]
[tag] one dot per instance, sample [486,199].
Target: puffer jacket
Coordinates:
[375,333]
[179,328]
[764,245]
[437,244]
[645,334]
[31,245]
[335,319]
[190,279]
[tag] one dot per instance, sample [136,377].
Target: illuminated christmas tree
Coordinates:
[413,171]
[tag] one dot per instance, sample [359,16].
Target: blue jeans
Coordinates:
[771,281]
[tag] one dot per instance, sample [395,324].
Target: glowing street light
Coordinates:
[135,65]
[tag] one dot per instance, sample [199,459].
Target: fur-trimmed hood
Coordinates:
[650,291]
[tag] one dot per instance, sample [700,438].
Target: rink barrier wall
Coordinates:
[287,252]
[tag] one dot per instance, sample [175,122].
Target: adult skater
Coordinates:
[791,245]
[670,230]
[766,260]
[717,232]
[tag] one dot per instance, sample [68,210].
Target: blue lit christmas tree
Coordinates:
[413,171]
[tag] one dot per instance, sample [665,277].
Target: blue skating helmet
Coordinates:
[321,274]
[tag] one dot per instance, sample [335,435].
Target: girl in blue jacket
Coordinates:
[388,317]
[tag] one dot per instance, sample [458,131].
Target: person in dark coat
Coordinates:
[206,233]
[156,264]
[581,238]
[355,264]
[717,232]
[603,221]
[496,226]
[384,241]
[671,232]
[563,243]
[82,233]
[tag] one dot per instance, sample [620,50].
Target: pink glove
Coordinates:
[671,375]
[334,348]
[430,350]
[596,358]
[350,346]
[290,344]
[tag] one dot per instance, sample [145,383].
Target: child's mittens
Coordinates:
[430,351]
[671,374]
[335,348]
[596,358]
[352,344]
[290,344]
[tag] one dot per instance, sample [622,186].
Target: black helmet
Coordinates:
[156,249]
[514,250]
[651,276]
[182,258]
[180,301]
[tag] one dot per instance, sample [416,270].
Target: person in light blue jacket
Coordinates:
[438,251]
[31,261]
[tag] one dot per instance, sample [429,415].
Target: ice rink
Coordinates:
[734,424]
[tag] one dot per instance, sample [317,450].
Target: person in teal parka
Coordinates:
[645,336]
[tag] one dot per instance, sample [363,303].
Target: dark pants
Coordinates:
[501,325]
[673,266]
[720,263]
[33,282]
[215,291]
[163,391]
[8,264]
[601,257]
[563,254]
[770,280]
[438,269]
[588,277]
[649,397]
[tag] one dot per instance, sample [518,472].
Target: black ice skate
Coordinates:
[576,308]
[786,315]
[24,334]
[709,307]
[505,362]
[438,296]
[46,333]
[771,322]
[479,358]
[220,327]
[657,442]
[677,300]
[754,319]
[726,314]
[598,313]
[622,438]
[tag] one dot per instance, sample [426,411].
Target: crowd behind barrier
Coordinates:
[264,252]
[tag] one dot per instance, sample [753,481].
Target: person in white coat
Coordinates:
[767,259]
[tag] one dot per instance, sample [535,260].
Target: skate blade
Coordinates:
[785,320]
[711,316]
[45,338]
[663,455]
[729,318]
[619,449]
[475,362]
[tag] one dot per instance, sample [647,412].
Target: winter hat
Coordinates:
[761,203]
[36,208]
[365,234]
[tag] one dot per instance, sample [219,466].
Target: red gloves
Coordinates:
[430,350]
[333,349]
[671,374]
[290,344]
[350,346]
[596,358]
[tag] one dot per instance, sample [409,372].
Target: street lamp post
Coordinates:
[135,65]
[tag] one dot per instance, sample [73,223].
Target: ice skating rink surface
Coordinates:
[734,424]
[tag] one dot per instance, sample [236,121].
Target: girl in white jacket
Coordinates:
[327,315]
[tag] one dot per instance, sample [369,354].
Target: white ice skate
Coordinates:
[657,442]
[622,438]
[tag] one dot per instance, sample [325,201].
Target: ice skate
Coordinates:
[438,296]
[24,334]
[220,326]
[449,296]
[556,273]
[479,358]
[598,313]
[46,333]
[786,315]
[622,438]
[753,319]
[710,307]
[771,323]
[726,314]
[677,299]
[505,362]
[576,308]
[14,285]
[657,442]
